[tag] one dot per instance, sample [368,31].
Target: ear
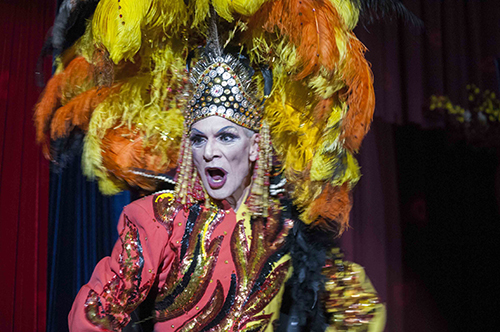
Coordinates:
[253,154]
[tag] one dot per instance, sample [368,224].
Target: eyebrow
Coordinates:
[197,131]
[225,128]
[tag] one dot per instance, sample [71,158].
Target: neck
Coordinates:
[239,196]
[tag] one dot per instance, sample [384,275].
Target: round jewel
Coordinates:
[244,103]
[235,90]
[221,110]
[223,98]
[192,101]
[227,104]
[212,73]
[229,112]
[220,70]
[219,59]
[231,82]
[197,94]
[236,105]
[204,110]
[212,108]
[206,79]
[201,87]
[231,98]
[226,76]
[216,100]
[217,80]
[224,83]
[217,90]
[238,97]
[227,91]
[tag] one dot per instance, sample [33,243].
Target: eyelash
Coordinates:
[231,137]
[197,140]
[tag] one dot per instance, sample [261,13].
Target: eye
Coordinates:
[227,137]
[197,140]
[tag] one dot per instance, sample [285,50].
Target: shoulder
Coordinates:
[141,206]
[159,208]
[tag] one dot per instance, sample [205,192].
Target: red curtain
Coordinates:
[24,174]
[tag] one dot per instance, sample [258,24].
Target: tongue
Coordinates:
[217,177]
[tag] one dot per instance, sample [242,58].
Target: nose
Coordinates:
[211,150]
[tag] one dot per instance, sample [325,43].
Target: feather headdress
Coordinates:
[123,84]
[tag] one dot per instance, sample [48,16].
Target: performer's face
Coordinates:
[223,153]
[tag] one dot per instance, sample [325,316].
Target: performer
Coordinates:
[264,122]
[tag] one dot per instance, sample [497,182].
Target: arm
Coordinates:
[123,280]
[352,301]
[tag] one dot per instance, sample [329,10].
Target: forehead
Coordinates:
[213,124]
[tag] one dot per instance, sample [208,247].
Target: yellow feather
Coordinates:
[223,8]
[202,8]
[246,7]
[117,25]
[348,11]
[172,14]
[85,45]
[323,86]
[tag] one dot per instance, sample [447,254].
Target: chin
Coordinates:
[218,194]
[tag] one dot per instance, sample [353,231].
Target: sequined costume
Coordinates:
[206,270]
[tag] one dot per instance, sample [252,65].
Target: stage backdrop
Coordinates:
[24,173]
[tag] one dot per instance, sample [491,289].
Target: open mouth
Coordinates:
[216,177]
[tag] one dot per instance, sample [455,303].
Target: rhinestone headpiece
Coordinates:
[223,86]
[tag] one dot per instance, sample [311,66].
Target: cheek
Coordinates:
[197,157]
[238,158]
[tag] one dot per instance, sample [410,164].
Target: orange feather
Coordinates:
[123,150]
[44,109]
[78,73]
[58,87]
[322,109]
[77,112]
[331,209]
[310,25]
[360,96]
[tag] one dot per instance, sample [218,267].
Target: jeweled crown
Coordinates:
[223,86]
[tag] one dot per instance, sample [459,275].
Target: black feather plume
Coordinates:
[65,149]
[374,10]
[69,26]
